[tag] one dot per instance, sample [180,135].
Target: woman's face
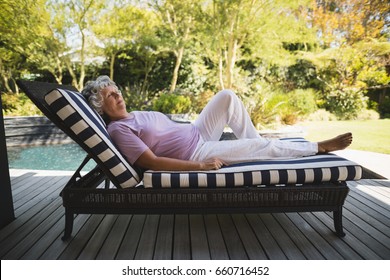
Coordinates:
[113,103]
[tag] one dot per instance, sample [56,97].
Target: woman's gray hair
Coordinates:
[91,92]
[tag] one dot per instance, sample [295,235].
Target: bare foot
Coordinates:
[338,143]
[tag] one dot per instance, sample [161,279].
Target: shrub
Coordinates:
[18,104]
[170,103]
[367,114]
[273,105]
[136,98]
[265,107]
[321,115]
[303,101]
[346,103]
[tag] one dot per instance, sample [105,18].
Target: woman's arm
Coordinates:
[148,160]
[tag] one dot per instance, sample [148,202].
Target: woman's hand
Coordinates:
[148,160]
[212,164]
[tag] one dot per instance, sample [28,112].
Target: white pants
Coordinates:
[226,109]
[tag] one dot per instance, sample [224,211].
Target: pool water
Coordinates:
[48,157]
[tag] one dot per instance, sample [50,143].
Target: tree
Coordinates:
[21,33]
[350,21]
[73,22]
[253,30]
[179,21]
[121,27]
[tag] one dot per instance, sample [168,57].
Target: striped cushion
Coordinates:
[313,169]
[72,109]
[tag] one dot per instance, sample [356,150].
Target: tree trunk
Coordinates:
[68,64]
[112,63]
[179,58]
[58,76]
[220,71]
[82,62]
[6,83]
[231,61]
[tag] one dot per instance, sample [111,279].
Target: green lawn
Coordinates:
[373,136]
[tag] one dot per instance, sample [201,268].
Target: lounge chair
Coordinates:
[316,183]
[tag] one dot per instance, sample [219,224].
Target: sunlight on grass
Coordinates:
[372,135]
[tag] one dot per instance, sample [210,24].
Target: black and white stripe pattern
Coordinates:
[72,109]
[313,169]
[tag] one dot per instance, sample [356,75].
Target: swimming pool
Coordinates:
[48,157]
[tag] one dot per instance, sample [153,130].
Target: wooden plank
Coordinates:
[34,186]
[19,177]
[377,187]
[181,243]
[369,192]
[55,249]
[45,242]
[369,217]
[346,251]
[311,243]
[248,238]
[34,235]
[385,183]
[370,230]
[350,238]
[271,247]
[199,244]
[23,232]
[291,251]
[376,210]
[114,238]
[25,216]
[22,186]
[75,248]
[164,240]
[40,189]
[365,237]
[232,239]
[129,245]
[92,248]
[147,241]
[373,202]
[217,247]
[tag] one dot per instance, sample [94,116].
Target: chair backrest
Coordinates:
[69,110]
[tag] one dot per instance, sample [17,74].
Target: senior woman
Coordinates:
[151,140]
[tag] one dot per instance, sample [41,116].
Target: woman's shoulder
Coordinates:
[121,122]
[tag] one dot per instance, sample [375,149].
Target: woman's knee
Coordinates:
[227,96]
[227,93]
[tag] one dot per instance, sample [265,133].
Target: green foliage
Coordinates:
[171,103]
[367,114]
[302,74]
[303,101]
[135,98]
[273,105]
[18,105]
[321,115]
[267,51]
[346,103]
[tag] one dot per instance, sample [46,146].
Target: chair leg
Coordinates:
[338,222]
[68,224]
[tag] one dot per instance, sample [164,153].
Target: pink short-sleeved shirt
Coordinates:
[155,131]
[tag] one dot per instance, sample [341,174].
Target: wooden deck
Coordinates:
[36,232]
